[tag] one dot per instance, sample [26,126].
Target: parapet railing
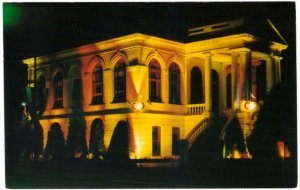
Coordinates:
[195,108]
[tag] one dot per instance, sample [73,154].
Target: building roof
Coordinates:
[263,29]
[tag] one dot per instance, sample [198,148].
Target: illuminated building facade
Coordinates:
[166,90]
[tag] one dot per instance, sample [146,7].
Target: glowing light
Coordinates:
[249,106]
[24,104]
[137,106]
[283,151]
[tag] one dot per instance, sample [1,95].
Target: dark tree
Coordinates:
[56,143]
[118,150]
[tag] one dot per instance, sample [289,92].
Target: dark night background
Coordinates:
[37,29]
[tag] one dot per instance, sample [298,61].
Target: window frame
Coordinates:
[156,141]
[120,82]
[58,90]
[174,72]
[154,81]
[97,81]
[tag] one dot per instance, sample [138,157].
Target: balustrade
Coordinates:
[195,108]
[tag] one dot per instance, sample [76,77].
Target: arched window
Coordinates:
[196,93]
[120,82]
[58,90]
[154,81]
[228,91]
[174,84]
[97,80]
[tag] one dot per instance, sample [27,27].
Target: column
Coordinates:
[208,82]
[87,89]
[245,75]
[270,73]
[234,89]
[108,85]
[278,66]
[277,69]
[66,87]
[165,85]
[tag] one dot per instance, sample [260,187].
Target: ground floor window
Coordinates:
[156,141]
[175,140]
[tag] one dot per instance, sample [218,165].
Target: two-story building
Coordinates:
[165,90]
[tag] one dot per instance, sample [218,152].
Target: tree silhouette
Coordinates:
[56,143]
[118,150]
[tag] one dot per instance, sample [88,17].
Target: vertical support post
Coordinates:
[270,73]
[108,80]
[234,90]
[245,75]
[208,89]
[241,75]
[165,85]
[34,95]
[248,74]
[276,68]
[279,70]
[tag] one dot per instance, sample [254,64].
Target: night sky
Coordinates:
[34,29]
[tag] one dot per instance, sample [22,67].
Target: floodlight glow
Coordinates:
[137,106]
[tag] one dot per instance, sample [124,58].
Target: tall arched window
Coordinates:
[58,90]
[228,91]
[97,80]
[120,82]
[196,93]
[174,84]
[154,81]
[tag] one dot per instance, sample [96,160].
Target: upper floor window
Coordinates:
[196,90]
[120,82]
[58,90]
[154,81]
[174,84]
[97,80]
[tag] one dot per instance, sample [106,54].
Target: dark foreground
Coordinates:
[99,174]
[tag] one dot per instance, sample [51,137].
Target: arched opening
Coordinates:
[120,82]
[228,91]
[196,92]
[119,145]
[174,84]
[55,148]
[97,148]
[58,90]
[154,81]
[97,82]
[215,91]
